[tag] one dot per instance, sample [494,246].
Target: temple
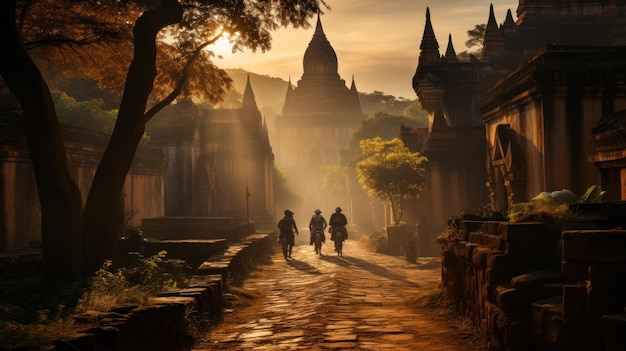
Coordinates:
[541,85]
[218,162]
[319,115]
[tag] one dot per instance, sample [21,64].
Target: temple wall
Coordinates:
[552,103]
[20,210]
[180,178]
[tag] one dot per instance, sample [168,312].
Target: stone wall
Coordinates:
[533,286]
[20,219]
[167,322]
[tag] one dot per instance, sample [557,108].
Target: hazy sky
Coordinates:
[377,41]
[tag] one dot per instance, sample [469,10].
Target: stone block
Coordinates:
[614,332]
[547,317]
[516,333]
[466,250]
[495,242]
[496,276]
[467,227]
[577,335]
[479,256]
[497,259]
[528,243]
[574,302]
[606,246]
[535,279]
[510,299]
[601,301]
[519,231]
[610,275]
[475,237]
[577,271]
[495,227]
[198,281]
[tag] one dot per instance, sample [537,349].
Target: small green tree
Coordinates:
[391,172]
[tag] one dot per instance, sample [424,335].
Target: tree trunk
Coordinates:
[58,194]
[103,217]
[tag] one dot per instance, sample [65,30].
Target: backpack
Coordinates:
[285,225]
[338,219]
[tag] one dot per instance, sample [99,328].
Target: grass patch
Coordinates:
[34,313]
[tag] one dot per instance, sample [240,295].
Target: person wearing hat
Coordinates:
[287,227]
[317,221]
[338,219]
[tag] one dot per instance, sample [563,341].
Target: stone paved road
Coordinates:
[354,302]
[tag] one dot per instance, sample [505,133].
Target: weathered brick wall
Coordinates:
[531,286]
[492,275]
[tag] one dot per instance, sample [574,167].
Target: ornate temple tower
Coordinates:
[319,115]
[472,120]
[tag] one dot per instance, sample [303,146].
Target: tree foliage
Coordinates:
[391,172]
[380,102]
[88,114]
[155,63]
[475,41]
[476,37]
[383,125]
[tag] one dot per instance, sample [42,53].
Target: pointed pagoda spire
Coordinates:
[509,26]
[493,41]
[429,47]
[450,53]
[353,86]
[248,96]
[320,57]
[319,31]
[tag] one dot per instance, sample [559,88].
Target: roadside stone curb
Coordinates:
[161,325]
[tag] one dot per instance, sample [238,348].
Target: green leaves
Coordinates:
[391,172]
[592,195]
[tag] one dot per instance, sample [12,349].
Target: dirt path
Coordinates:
[361,301]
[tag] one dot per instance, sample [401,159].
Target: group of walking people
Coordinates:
[287,226]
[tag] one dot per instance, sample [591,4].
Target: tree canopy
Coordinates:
[380,102]
[158,51]
[391,172]
[383,125]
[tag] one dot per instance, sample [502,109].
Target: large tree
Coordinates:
[77,240]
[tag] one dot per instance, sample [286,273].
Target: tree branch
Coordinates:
[181,83]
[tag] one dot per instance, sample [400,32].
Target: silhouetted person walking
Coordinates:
[287,227]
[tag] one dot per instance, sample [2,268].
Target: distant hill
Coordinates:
[269,93]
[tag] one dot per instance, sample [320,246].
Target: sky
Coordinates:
[376,41]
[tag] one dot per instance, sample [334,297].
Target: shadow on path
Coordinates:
[303,266]
[364,265]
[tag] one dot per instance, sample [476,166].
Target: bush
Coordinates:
[37,313]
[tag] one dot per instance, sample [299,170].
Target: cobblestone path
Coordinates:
[354,302]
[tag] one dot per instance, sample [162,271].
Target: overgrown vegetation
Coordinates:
[451,234]
[555,205]
[552,207]
[38,313]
